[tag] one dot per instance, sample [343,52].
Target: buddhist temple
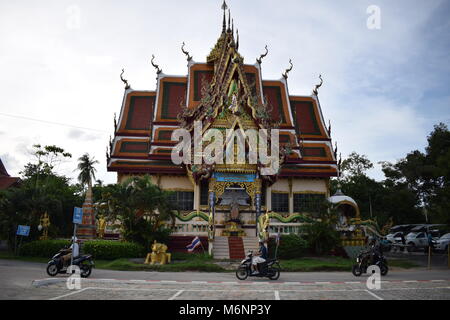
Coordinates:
[228,205]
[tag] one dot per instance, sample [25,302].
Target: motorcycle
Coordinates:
[56,265]
[270,268]
[363,261]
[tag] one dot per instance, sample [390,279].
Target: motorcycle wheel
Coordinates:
[52,270]
[384,269]
[85,270]
[242,273]
[276,273]
[356,270]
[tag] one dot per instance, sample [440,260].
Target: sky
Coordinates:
[385,65]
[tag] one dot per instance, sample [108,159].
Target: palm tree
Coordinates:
[87,170]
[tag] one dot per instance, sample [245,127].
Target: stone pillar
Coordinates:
[87,230]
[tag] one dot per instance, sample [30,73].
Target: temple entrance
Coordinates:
[233,194]
[236,199]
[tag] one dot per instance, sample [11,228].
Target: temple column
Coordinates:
[291,197]
[269,198]
[211,222]
[197,197]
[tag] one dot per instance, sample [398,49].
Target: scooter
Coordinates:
[363,261]
[270,268]
[56,265]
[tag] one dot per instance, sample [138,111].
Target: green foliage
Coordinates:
[100,249]
[87,169]
[109,250]
[291,246]
[43,248]
[321,236]
[142,208]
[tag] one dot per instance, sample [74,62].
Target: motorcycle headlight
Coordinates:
[357,259]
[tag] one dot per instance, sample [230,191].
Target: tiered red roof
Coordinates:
[142,141]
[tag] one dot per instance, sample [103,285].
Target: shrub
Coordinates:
[110,250]
[322,237]
[291,246]
[43,248]
[100,249]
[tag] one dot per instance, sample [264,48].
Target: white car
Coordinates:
[416,240]
[443,242]
[394,237]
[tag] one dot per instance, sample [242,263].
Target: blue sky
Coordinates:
[383,91]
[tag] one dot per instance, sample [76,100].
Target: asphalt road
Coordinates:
[27,280]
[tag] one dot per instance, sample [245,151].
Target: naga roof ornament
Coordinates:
[127,86]
[316,88]
[189,57]
[259,60]
[285,74]
[158,70]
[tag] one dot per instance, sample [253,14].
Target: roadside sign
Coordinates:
[23,231]
[77,215]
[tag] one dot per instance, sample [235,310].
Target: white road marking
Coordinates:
[374,295]
[410,281]
[69,294]
[277,295]
[176,295]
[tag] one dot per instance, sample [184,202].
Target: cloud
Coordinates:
[78,134]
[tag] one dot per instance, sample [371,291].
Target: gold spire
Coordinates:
[224,8]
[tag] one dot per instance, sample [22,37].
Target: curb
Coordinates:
[48,281]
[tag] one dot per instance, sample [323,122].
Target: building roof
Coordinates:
[142,139]
[6,180]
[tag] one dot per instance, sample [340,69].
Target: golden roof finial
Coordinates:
[285,74]
[127,86]
[189,57]
[237,39]
[158,70]
[259,60]
[229,22]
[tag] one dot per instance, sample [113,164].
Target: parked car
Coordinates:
[443,242]
[395,237]
[416,240]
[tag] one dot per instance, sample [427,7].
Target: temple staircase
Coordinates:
[234,247]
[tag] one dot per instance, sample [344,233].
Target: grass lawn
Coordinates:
[202,262]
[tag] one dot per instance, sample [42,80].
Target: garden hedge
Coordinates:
[100,249]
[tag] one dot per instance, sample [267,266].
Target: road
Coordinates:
[27,280]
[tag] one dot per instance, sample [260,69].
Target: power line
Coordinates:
[50,122]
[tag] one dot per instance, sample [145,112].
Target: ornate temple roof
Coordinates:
[142,137]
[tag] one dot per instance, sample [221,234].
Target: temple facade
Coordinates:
[226,201]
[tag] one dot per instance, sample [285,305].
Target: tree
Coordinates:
[41,190]
[142,208]
[355,165]
[87,170]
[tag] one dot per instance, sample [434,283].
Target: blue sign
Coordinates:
[23,231]
[234,177]
[77,215]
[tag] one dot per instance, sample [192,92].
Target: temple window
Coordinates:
[280,202]
[184,200]
[204,188]
[308,202]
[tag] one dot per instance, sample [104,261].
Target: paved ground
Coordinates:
[25,280]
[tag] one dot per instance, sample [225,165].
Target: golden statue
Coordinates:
[263,223]
[158,254]
[44,222]
[101,226]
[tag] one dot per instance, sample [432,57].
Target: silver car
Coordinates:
[443,242]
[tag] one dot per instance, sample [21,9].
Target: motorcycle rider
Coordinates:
[259,257]
[74,250]
[375,250]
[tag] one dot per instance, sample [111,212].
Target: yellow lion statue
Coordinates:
[158,254]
